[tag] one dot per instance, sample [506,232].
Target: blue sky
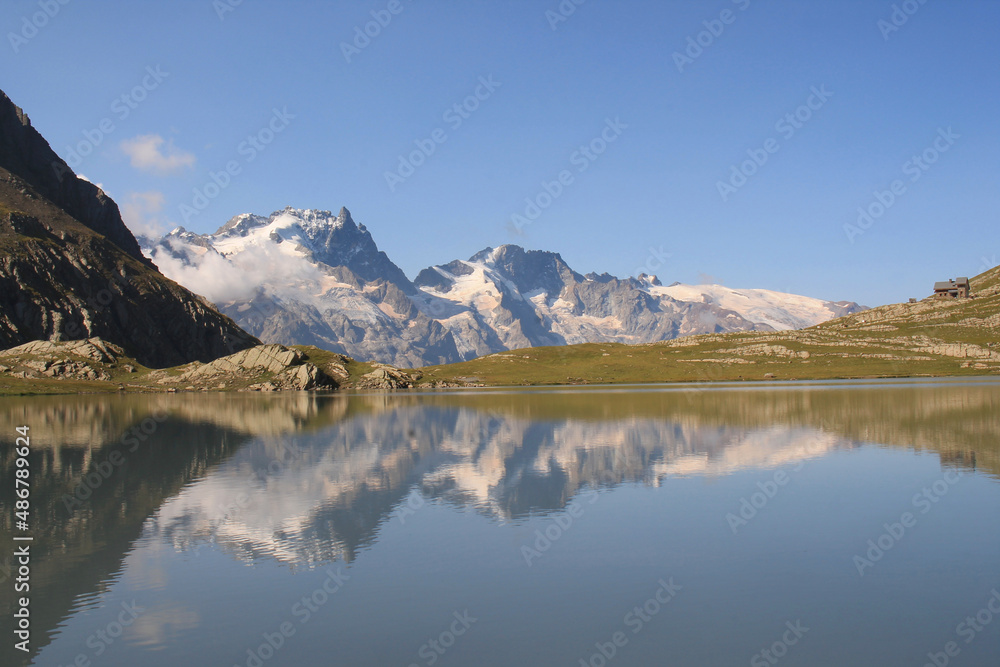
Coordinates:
[650,200]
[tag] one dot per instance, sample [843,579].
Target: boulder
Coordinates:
[288,369]
[385,377]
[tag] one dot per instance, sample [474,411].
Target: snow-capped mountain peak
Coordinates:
[318,278]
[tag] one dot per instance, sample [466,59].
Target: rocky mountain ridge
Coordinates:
[70,269]
[323,281]
[319,280]
[26,154]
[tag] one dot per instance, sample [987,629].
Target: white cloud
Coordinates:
[151,152]
[210,274]
[287,276]
[224,280]
[141,212]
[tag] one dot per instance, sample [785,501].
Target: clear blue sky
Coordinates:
[655,186]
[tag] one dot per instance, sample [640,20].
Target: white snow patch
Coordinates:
[780,310]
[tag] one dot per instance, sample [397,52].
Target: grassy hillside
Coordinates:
[929,338]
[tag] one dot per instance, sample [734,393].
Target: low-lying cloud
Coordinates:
[224,280]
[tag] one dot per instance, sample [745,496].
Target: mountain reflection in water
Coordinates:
[306,480]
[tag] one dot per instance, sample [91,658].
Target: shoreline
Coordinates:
[98,388]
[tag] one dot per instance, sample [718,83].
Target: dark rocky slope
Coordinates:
[70,269]
[25,153]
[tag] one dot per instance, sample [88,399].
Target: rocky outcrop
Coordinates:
[91,359]
[962,351]
[92,348]
[263,359]
[385,377]
[280,368]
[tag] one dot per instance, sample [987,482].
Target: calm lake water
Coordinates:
[794,524]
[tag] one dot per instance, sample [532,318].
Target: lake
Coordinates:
[850,523]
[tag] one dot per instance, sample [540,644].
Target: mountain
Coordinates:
[26,154]
[933,337]
[319,279]
[70,269]
[531,298]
